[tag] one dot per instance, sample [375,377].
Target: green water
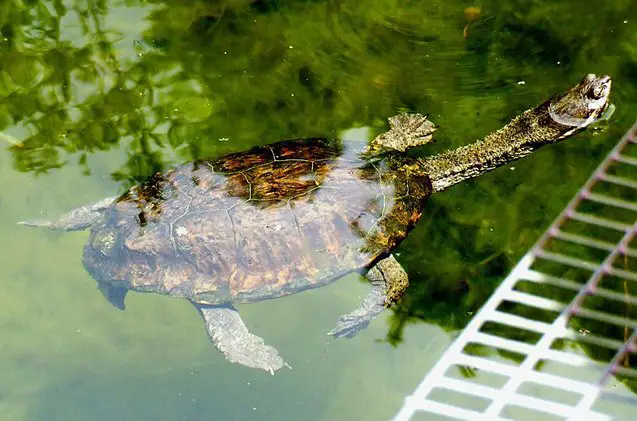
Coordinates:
[97,95]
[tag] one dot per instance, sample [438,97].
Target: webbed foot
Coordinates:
[231,336]
[350,324]
[389,282]
[406,131]
[254,352]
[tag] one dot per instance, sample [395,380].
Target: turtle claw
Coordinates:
[349,325]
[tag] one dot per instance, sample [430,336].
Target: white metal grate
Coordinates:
[561,330]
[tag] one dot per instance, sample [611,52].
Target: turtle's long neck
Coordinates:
[520,137]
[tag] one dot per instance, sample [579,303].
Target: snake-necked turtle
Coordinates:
[295,215]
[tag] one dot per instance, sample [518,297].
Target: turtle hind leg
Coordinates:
[389,282]
[231,336]
[75,220]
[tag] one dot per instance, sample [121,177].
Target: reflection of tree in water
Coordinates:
[79,96]
[257,71]
[187,88]
[70,98]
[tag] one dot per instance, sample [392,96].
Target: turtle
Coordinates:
[296,214]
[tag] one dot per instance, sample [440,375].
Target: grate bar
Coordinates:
[622,273]
[451,411]
[543,278]
[535,301]
[602,222]
[585,241]
[611,201]
[630,252]
[566,358]
[618,397]
[625,160]
[502,343]
[540,350]
[619,181]
[511,371]
[619,357]
[566,260]
[628,372]
[615,296]
[519,322]
[589,400]
[593,339]
[606,318]
[515,399]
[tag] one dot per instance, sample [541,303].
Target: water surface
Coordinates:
[96,96]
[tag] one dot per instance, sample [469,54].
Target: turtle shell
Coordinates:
[265,223]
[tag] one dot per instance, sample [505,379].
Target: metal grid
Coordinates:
[558,338]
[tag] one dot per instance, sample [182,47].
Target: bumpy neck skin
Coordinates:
[558,118]
[519,138]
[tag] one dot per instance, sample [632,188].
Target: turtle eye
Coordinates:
[595,92]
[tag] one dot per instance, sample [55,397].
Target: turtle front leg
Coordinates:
[231,336]
[389,282]
[76,220]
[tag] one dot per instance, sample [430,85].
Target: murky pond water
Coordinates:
[95,96]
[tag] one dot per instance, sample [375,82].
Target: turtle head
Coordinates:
[406,131]
[582,105]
